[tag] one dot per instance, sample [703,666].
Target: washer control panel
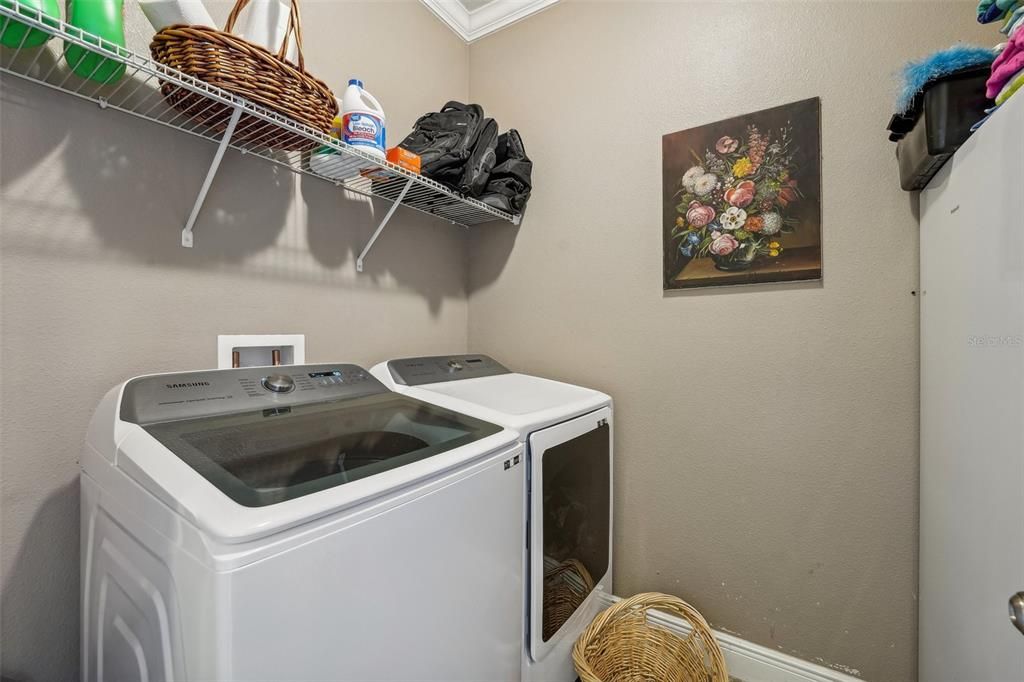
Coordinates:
[166,397]
[432,370]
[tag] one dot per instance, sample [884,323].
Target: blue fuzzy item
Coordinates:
[917,74]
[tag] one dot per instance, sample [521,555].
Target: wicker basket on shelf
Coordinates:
[249,70]
[621,645]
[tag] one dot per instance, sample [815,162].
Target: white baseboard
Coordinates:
[752,662]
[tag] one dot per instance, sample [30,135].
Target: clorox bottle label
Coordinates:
[363,130]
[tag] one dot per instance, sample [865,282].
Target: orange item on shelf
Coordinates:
[404,158]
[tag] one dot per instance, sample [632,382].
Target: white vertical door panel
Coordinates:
[972,408]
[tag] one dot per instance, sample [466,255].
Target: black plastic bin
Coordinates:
[939,121]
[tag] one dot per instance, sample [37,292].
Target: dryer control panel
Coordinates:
[188,395]
[432,370]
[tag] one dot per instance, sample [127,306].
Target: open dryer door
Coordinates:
[570,525]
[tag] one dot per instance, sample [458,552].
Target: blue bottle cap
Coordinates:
[356,82]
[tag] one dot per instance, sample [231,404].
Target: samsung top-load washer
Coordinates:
[297,523]
[567,431]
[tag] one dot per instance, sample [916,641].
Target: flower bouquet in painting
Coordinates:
[732,201]
[741,199]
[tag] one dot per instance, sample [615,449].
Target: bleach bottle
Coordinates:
[362,120]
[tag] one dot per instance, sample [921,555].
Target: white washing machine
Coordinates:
[297,523]
[567,432]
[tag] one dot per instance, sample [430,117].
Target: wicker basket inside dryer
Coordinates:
[622,645]
[566,585]
[246,69]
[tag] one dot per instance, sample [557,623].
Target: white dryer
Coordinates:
[297,523]
[567,432]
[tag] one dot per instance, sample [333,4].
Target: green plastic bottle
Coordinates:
[12,33]
[103,18]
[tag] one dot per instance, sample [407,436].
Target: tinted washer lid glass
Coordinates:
[577,517]
[265,456]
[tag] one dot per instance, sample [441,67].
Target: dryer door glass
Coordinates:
[264,457]
[575,490]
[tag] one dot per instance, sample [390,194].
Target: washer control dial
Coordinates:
[454,366]
[278,383]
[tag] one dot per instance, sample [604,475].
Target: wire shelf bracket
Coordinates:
[147,89]
[225,140]
[380,228]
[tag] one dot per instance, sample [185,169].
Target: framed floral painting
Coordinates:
[742,199]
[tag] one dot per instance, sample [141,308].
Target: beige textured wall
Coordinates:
[766,437]
[95,287]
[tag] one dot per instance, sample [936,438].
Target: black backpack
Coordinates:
[445,140]
[478,167]
[509,185]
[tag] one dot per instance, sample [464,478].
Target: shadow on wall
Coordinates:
[135,183]
[490,247]
[16,94]
[40,594]
[134,189]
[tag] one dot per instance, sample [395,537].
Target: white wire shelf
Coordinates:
[242,125]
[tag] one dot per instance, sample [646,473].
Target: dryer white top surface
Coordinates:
[518,401]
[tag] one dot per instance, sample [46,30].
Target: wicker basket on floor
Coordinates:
[621,645]
[247,69]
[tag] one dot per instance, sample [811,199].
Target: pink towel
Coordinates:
[1006,65]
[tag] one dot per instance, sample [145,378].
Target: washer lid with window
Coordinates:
[246,451]
[479,385]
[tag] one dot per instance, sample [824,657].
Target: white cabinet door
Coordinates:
[972,408]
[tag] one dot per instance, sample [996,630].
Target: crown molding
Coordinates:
[495,15]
